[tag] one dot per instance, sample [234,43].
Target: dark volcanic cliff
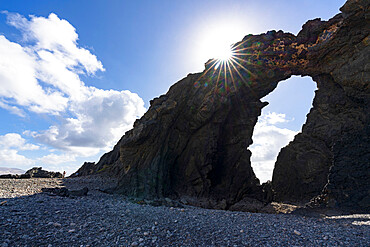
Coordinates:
[192,142]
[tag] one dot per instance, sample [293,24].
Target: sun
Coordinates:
[223,53]
[218,49]
[215,41]
[226,60]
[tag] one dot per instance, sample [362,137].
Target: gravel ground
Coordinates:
[31,218]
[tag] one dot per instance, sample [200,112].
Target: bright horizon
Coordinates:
[74,76]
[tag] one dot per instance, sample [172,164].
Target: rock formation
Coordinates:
[15,176]
[192,142]
[37,172]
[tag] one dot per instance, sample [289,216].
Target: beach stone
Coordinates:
[57,224]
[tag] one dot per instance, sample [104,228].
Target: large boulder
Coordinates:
[192,142]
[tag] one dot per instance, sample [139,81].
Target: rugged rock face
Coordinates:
[329,142]
[350,188]
[306,161]
[192,142]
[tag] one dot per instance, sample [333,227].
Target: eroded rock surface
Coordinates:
[192,142]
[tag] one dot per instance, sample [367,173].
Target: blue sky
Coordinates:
[74,75]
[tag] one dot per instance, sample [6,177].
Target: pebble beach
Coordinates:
[30,217]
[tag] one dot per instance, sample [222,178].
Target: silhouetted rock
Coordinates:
[37,172]
[192,142]
[15,176]
[86,169]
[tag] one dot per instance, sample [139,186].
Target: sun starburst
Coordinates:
[229,69]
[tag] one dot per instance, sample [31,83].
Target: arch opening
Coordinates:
[279,122]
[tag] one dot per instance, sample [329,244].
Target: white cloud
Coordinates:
[100,121]
[9,146]
[274,118]
[14,140]
[58,36]
[267,142]
[18,81]
[55,159]
[11,158]
[51,56]
[12,144]
[42,73]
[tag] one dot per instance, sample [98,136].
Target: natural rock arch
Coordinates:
[192,142]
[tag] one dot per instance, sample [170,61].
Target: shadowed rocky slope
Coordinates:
[192,142]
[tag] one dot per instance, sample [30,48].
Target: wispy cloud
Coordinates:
[13,109]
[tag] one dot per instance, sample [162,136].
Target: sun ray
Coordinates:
[223,68]
[241,59]
[240,75]
[219,74]
[225,72]
[240,44]
[243,54]
[243,79]
[245,69]
[218,79]
[205,72]
[231,75]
